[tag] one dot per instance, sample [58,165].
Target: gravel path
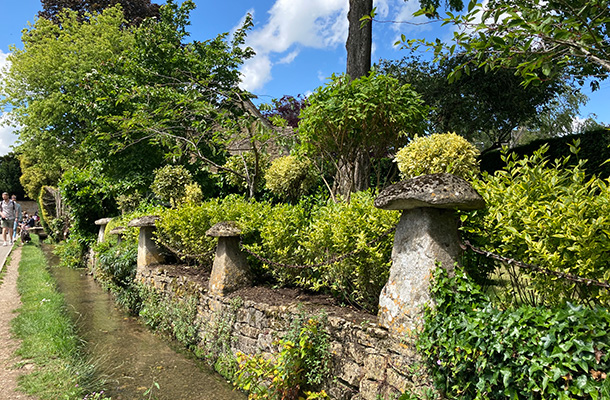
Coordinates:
[9,301]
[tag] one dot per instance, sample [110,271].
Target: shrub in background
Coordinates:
[245,164]
[594,147]
[290,177]
[549,214]
[170,183]
[440,152]
[193,193]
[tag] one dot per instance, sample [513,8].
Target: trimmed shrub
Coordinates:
[193,193]
[290,177]
[245,163]
[302,234]
[440,152]
[170,183]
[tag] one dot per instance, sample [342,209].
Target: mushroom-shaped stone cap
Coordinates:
[119,230]
[224,229]
[147,220]
[435,190]
[103,221]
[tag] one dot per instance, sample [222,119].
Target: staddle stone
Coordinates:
[230,270]
[148,252]
[443,190]
[426,235]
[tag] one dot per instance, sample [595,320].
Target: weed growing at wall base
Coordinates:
[301,366]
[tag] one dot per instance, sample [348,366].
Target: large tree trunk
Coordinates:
[354,175]
[359,40]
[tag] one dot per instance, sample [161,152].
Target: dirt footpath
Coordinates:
[9,301]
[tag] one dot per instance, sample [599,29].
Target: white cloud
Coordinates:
[255,73]
[408,23]
[289,58]
[293,24]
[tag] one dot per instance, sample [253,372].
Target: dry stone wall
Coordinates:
[367,362]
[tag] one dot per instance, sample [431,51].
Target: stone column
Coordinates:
[230,270]
[427,234]
[102,224]
[148,252]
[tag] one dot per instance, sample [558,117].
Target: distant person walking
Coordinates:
[7,213]
[18,217]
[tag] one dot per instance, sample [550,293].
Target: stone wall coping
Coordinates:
[443,190]
[224,229]
[147,220]
[119,230]
[103,221]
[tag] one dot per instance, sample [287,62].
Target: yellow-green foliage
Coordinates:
[289,177]
[549,214]
[193,193]
[295,234]
[440,152]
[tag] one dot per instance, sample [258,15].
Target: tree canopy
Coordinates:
[135,11]
[484,106]
[42,85]
[365,118]
[540,39]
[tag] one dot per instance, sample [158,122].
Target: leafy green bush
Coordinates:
[290,177]
[71,252]
[296,235]
[549,214]
[182,230]
[477,351]
[594,147]
[170,183]
[440,152]
[89,196]
[193,193]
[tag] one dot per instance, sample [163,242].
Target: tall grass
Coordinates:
[48,335]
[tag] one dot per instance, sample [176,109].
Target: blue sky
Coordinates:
[299,43]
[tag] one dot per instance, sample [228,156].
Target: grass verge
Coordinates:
[48,335]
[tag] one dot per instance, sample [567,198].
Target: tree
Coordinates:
[181,96]
[540,39]
[358,45]
[352,124]
[135,11]
[41,87]
[359,39]
[485,106]
[10,172]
